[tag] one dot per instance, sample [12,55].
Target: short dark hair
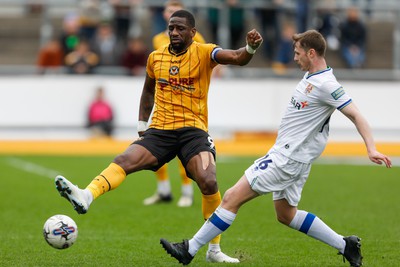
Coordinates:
[311,39]
[187,15]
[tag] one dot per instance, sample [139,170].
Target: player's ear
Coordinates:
[311,52]
[193,32]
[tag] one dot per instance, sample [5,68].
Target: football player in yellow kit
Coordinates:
[163,192]
[176,85]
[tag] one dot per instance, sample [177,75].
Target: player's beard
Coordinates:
[177,47]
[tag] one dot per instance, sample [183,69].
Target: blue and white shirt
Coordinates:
[304,129]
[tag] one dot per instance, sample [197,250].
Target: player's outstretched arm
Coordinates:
[352,112]
[243,55]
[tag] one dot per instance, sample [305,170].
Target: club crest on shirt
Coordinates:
[308,89]
[174,70]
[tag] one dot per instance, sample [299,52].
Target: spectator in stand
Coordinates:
[50,57]
[302,14]
[100,117]
[236,22]
[159,24]
[134,58]
[353,38]
[327,23]
[106,46]
[271,28]
[70,35]
[122,18]
[82,60]
[90,18]
[367,6]
[284,57]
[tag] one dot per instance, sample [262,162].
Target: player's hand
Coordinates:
[254,39]
[378,158]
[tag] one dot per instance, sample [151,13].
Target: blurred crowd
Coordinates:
[90,38]
[101,34]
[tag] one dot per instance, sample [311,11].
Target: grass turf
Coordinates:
[119,231]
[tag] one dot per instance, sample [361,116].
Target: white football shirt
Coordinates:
[304,129]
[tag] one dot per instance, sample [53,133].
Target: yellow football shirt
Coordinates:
[182,83]
[163,38]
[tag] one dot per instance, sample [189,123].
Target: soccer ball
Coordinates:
[60,231]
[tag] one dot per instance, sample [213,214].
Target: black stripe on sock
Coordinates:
[109,185]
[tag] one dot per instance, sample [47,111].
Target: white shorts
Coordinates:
[282,176]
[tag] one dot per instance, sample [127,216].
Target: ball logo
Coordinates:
[174,70]
[64,230]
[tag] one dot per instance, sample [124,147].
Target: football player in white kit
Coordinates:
[302,136]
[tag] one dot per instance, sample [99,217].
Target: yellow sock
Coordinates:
[162,173]
[110,178]
[209,204]
[185,180]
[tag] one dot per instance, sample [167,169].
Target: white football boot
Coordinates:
[219,256]
[157,198]
[73,194]
[185,201]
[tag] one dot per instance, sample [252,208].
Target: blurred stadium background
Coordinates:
[43,133]
[52,105]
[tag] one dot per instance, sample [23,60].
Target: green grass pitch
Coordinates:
[119,231]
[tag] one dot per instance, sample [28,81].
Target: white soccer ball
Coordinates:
[60,231]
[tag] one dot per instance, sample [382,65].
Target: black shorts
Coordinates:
[185,143]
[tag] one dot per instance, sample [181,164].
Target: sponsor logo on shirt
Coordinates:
[337,93]
[297,104]
[177,84]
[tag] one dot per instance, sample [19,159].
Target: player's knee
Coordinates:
[283,219]
[280,219]
[207,184]
[230,201]
[226,201]
[228,196]
[123,161]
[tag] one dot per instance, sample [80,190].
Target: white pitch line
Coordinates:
[32,168]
